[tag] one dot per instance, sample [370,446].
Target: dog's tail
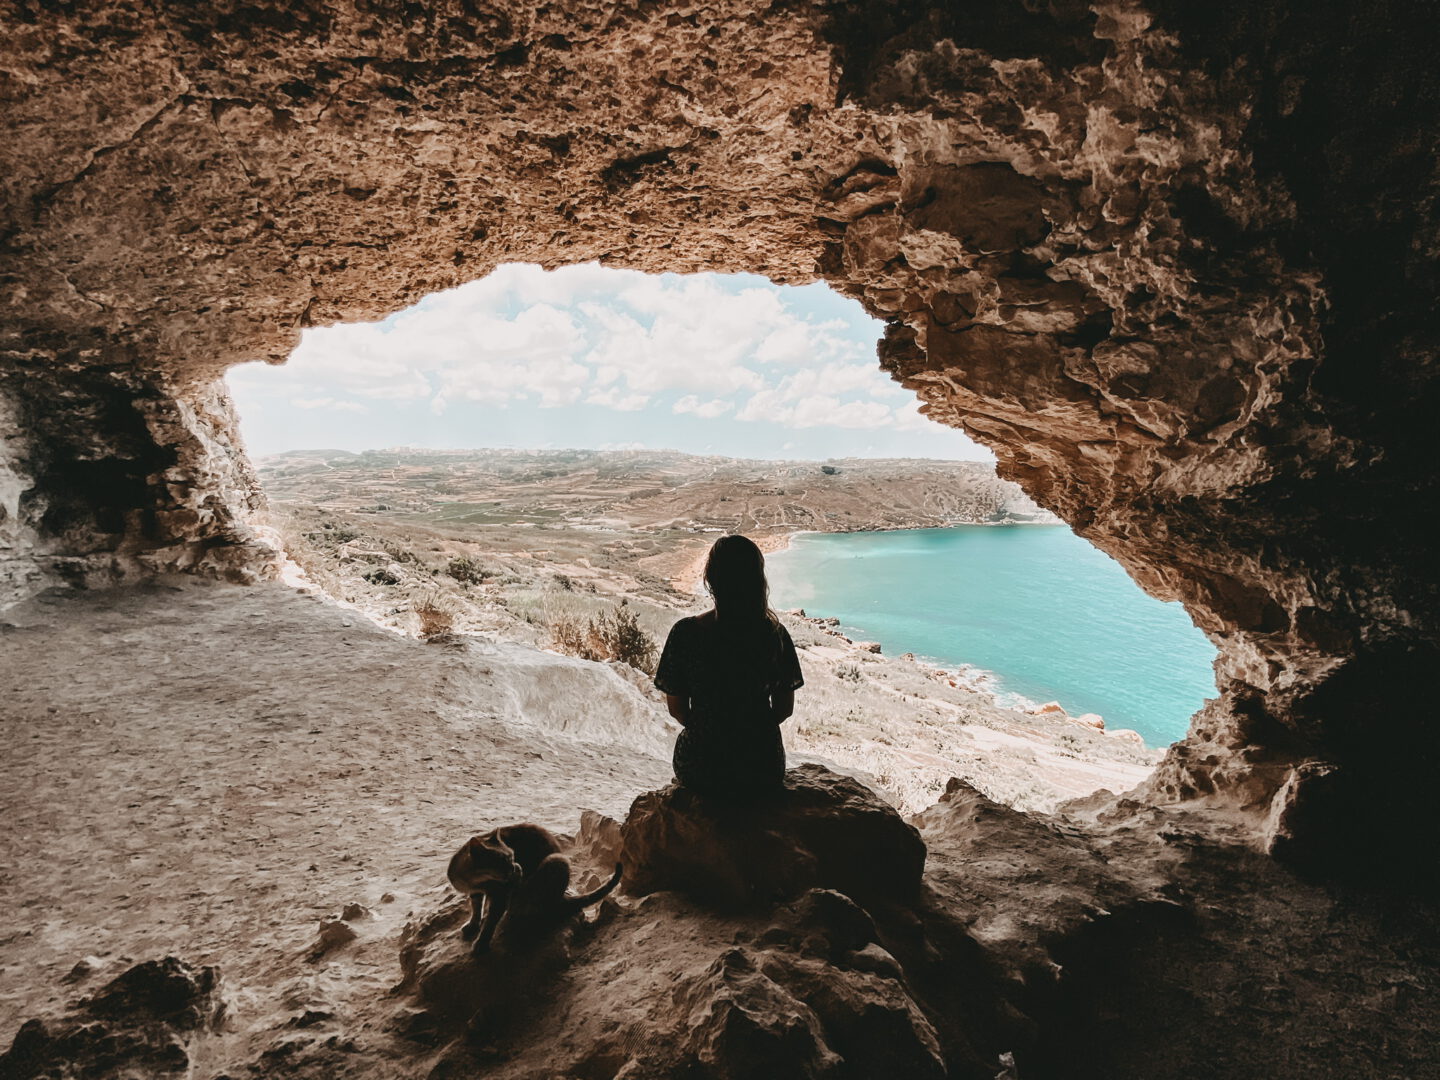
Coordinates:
[576,904]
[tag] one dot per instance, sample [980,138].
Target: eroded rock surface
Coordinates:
[1175,268]
[822,830]
[725,968]
[211,786]
[140,1023]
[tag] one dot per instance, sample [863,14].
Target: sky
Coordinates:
[590,357]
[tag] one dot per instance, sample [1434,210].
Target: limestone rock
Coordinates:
[822,831]
[138,1024]
[814,994]
[167,991]
[334,932]
[741,1023]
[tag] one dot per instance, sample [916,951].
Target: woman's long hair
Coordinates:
[735,576]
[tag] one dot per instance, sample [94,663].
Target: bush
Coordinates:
[435,616]
[466,570]
[848,672]
[612,635]
[624,639]
[573,637]
[399,553]
[333,534]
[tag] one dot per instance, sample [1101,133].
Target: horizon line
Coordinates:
[596,450]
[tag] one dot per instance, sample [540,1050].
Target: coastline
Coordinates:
[1028,682]
[688,580]
[960,674]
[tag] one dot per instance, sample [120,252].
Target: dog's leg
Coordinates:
[496,902]
[477,908]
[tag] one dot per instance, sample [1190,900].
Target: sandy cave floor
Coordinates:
[208,770]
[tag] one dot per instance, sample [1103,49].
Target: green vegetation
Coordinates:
[466,569]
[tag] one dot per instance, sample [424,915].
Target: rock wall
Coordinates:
[1174,270]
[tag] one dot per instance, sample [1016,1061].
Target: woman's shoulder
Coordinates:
[692,623]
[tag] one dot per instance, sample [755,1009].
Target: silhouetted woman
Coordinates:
[729,676]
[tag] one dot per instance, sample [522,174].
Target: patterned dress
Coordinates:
[730,744]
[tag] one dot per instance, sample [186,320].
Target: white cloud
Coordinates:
[842,379]
[328,403]
[613,398]
[908,417]
[706,410]
[612,339]
[824,410]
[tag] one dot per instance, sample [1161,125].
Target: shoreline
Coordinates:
[965,675]
[985,681]
[689,580]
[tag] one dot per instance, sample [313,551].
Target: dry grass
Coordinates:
[435,614]
[611,635]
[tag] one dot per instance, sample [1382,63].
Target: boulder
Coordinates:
[815,995]
[138,1024]
[823,830]
[1091,720]
[334,932]
[1050,708]
[1127,735]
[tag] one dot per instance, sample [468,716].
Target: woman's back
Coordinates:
[729,677]
[728,666]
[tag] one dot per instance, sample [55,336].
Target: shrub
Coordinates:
[399,553]
[849,673]
[381,575]
[624,639]
[612,635]
[573,637]
[466,570]
[436,617]
[332,534]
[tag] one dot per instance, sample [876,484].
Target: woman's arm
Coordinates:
[782,705]
[679,708]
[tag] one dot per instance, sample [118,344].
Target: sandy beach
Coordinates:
[688,580]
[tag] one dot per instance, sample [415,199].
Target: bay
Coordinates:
[1038,610]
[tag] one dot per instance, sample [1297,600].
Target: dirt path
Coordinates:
[209,770]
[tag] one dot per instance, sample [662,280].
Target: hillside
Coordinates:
[646,489]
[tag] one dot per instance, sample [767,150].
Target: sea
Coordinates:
[1033,612]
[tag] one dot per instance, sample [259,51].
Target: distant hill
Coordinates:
[649,489]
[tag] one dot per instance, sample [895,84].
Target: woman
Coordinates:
[729,676]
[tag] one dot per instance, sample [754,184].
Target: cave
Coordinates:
[1176,268]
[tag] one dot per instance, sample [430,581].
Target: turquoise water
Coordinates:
[1049,617]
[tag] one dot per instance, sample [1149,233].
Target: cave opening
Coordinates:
[1173,269]
[522,431]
